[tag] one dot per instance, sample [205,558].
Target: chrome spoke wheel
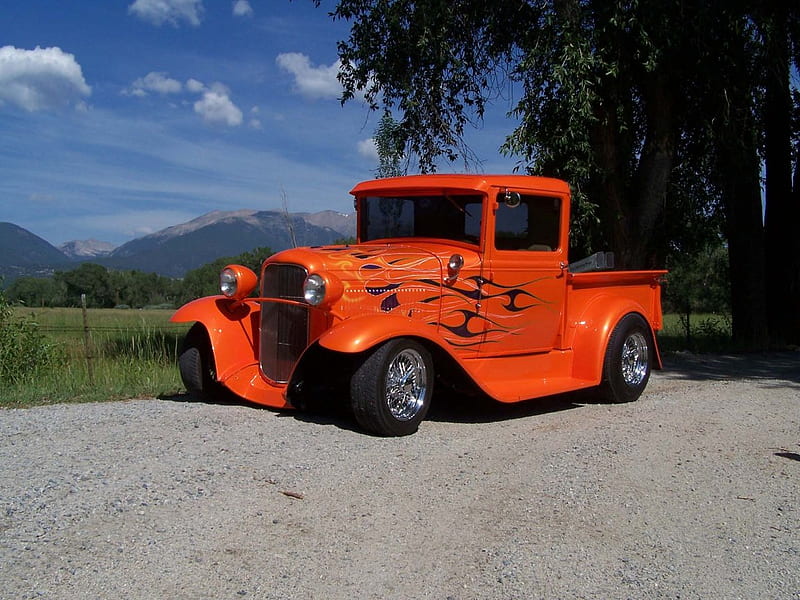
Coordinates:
[635,361]
[390,390]
[406,385]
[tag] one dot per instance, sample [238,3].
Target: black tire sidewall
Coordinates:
[614,387]
[195,362]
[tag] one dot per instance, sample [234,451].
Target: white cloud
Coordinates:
[217,108]
[242,8]
[173,12]
[368,149]
[155,82]
[255,122]
[214,106]
[312,82]
[195,86]
[40,79]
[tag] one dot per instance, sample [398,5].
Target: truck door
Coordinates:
[525,288]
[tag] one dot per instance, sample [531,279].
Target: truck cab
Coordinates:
[462,276]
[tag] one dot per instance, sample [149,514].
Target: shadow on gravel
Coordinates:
[219,399]
[789,455]
[775,366]
[450,407]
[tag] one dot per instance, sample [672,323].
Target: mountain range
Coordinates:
[175,250]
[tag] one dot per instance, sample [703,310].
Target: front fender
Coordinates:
[364,332]
[232,328]
[233,331]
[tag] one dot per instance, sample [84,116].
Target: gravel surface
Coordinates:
[691,492]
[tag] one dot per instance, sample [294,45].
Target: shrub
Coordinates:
[23,350]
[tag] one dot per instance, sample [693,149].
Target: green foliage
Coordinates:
[699,283]
[132,353]
[204,281]
[90,279]
[431,60]
[37,291]
[24,352]
[347,241]
[708,333]
[106,288]
[391,147]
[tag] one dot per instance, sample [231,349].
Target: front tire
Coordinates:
[196,363]
[391,389]
[628,360]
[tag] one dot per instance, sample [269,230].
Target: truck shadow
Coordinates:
[451,407]
[774,368]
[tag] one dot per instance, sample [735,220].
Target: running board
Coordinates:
[518,378]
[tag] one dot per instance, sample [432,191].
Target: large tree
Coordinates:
[780,48]
[615,97]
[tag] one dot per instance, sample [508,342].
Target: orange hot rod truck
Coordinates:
[462,276]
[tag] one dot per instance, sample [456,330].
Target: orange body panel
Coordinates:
[233,331]
[514,318]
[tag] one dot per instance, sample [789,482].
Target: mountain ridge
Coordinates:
[174,250]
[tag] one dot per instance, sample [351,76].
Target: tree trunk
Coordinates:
[741,194]
[632,206]
[655,167]
[782,260]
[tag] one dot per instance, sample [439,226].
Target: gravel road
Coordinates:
[691,492]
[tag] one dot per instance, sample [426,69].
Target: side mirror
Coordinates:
[512,199]
[453,268]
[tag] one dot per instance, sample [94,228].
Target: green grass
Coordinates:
[132,353]
[708,333]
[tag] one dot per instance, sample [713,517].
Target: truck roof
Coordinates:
[417,184]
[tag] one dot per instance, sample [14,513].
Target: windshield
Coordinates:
[451,217]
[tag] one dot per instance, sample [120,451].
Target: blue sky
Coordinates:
[120,118]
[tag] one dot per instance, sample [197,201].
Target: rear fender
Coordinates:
[592,331]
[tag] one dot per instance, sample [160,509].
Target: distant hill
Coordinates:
[175,250]
[178,249]
[24,253]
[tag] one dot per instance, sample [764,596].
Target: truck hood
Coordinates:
[383,277]
[365,260]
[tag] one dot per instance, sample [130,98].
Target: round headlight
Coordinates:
[314,290]
[228,283]
[237,282]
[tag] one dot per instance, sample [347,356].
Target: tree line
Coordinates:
[106,288]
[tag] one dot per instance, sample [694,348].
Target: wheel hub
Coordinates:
[406,385]
[634,359]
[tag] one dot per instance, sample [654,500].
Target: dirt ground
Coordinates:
[691,492]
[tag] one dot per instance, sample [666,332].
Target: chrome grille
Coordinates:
[284,327]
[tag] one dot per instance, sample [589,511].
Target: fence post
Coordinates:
[87,341]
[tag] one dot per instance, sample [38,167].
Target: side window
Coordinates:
[532,224]
[472,221]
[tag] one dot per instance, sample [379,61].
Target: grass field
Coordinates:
[127,354]
[709,333]
[133,353]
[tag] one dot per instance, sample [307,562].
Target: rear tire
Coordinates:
[196,363]
[391,389]
[628,360]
